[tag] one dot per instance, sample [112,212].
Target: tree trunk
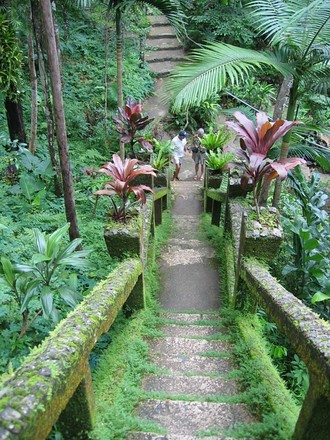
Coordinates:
[119,52]
[281,98]
[47,101]
[286,139]
[34,96]
[14,113]
[61,134]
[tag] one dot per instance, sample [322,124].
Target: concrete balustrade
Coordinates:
[53,385]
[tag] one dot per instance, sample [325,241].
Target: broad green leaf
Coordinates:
[69,296]
[54,240]
[77,259]
[37,200]
[319,296]
[31,290]
[40,241]
[39,258]
[28,186]
[69,249]
[46,298]
[8,271]
[3,226]
[24,268]
[289,269]
[304,234]
[311,244]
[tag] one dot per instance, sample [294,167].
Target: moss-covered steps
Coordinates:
[193,396]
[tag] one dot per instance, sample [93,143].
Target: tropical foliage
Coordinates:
[308,221]
[46,278]
[130,122]
[255,143]
[124,172]
[217,160]
[216,139]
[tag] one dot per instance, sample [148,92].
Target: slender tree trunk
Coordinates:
[47,100]
[15,121]
[281,98]
[286,139]
[61,134]
[13,106]
[34,95]
[106,59]
[119,52]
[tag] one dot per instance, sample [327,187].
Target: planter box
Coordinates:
[161,180]
[262,240]
[212,179]
[124,239]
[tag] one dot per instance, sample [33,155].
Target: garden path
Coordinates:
[193,396]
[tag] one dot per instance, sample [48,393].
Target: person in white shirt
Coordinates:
[179,146]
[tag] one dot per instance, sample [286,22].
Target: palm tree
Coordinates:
[299,34]
[172,9]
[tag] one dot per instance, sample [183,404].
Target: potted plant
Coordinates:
[161,162]
[216,139]
[123,232]
[259,170]
[217,161]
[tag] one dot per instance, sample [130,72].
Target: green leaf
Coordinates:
[29,290]
[28,186]
[319,296]
[311,244]
[38,258]
[46,298]
[3,226]
[69,296]
[54,240]
[304,233]
[8,271]
[40,241]
[37,200]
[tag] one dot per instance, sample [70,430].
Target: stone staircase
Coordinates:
[164,50]
[193,396]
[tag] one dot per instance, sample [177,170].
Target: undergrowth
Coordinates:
[274,409]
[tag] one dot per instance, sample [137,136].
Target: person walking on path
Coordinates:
[179,147]
[198,153]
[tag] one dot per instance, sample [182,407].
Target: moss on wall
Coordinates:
[35,395]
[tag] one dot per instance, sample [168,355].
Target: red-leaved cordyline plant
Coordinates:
[119,190]
[256,141]
[130,122]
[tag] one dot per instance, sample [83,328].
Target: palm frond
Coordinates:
[247,111]
[271,16]
[319,155]
[297,24]
[172,9]
[210,69]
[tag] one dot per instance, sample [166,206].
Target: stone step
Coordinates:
[165,55]
[162,30]
[163,68]
[185,346]
[176,255]
[189,418]
[198,365]
[199,386]
[152,436]
[158,20]
[164,43]
[180,331]
[191,318]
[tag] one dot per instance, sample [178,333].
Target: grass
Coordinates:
[122,365]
